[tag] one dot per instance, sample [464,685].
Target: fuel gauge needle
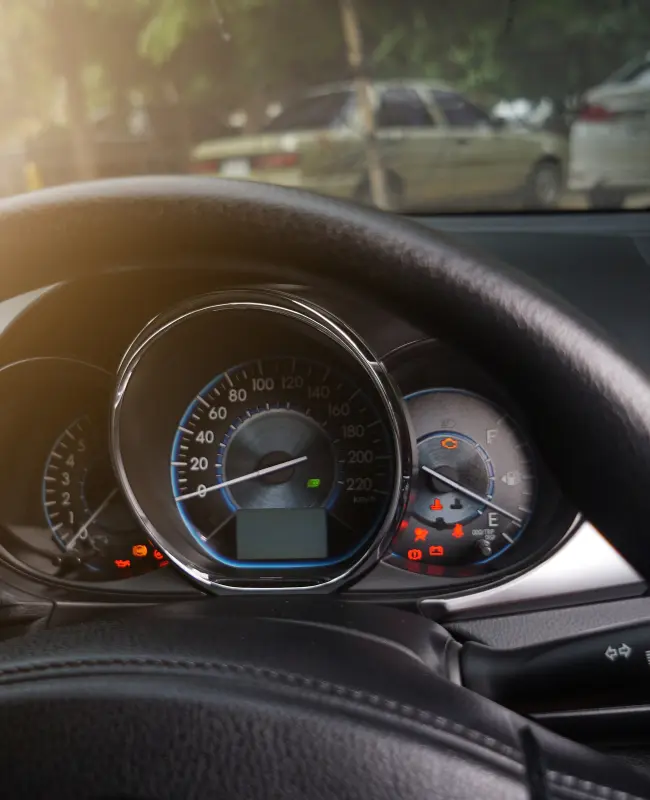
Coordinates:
[469,493]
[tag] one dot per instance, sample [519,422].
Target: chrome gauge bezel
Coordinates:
[320,323]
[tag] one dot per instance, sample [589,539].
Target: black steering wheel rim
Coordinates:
[589,408]
[208,700]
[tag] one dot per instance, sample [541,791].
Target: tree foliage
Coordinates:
[225,54]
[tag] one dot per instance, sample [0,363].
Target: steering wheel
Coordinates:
[250,698]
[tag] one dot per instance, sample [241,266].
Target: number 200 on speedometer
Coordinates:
[282,460]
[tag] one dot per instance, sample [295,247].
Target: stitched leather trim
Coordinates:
[570,786]
[287,678]
[567,785]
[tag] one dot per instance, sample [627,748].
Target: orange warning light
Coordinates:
[449,443]
[414,555]
[403,524]
[458,532]
[121,563]
[436,550]
[437,505]
[158,555]
[421,534]
[139,550]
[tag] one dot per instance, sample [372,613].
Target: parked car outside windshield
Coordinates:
[409,105]
[436,148]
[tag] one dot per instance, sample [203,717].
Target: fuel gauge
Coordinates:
[474,492]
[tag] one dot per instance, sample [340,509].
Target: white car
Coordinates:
[610,140]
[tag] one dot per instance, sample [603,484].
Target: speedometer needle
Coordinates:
[469,493]
[257,474]
[91,519]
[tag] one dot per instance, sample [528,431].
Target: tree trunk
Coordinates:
[354,46]
[83,150]
[65,25]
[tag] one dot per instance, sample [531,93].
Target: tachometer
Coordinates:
[279,435]
[88,518]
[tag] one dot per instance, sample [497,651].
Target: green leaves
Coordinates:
[169,25]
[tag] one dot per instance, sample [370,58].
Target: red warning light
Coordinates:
[121,563]
[163,564]
[421,534]
[437,505]
[436,550]
[414,555]
[458,532]
[158,555]
[403,524]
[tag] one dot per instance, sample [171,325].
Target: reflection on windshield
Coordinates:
[409,105]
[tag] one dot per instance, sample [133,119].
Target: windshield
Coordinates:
[408,105]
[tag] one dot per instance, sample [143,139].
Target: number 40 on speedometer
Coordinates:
[281,435]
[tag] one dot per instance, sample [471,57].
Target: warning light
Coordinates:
[403,524]
[139,550]
[436,550]
[421,534]
[458,532]
[414,555]
[158,555]
[122,563]
[449,443]
[437,505]
[313,483]
[163,564]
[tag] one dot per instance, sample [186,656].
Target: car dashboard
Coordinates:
[154,424]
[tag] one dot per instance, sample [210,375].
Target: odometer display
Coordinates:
[282,433]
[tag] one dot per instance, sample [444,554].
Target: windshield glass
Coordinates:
[409,105]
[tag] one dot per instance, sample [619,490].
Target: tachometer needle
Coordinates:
[469,493]
[257,474]
[91,519]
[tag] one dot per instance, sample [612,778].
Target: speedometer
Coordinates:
[281,460]
[260,442]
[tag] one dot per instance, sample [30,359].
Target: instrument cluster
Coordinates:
[253,441]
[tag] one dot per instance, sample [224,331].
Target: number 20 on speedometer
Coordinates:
[281,461]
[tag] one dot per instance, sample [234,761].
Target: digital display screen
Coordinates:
[281,534]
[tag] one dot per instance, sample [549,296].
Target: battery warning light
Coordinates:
[313,483]
[436,550]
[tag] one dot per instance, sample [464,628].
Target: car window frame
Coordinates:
[341,120]
[381,91]
[483,125]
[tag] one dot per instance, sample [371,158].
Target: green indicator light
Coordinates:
[313,483]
